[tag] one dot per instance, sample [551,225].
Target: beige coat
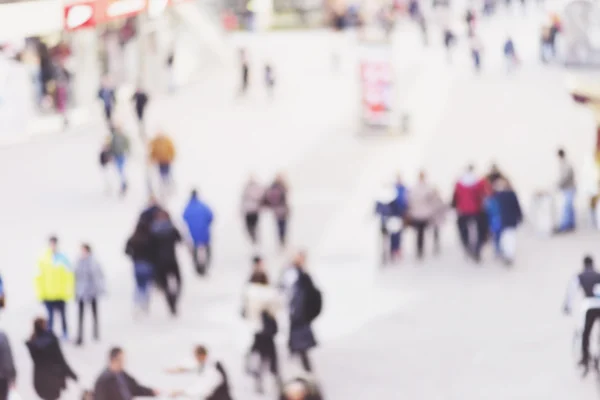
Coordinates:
[423,202]
[259,298]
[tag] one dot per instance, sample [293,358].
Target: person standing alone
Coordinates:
[252,198]
[199,217]
[276,198]
[566,186]
[55,283]
[89,286]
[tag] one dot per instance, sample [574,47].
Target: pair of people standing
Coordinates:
[152,250]
[275,198]
[56,283]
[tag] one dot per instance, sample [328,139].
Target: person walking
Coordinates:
[397,213]
[510,217]
[141,247]
[252,198]
[510,54]
[476,47]
[567,188]
[55,283]
[119,146]
[270,79]
[140,102]
[106,93]
[116,384]
[213,383]
[245,72]
[199,217]
[305,302]
[50,369]
[89,286]
[8,372]
[468,198]
[162,153]
[423,203]
[167,272]
[276,199]
[261,304]
[301,389]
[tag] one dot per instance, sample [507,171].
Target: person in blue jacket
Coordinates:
[509,210]
[198,216]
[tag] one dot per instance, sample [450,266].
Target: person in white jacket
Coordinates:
[261,304]
[212,384]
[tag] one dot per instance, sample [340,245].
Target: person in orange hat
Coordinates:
[162,153]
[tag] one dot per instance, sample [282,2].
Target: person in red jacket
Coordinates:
[469,194]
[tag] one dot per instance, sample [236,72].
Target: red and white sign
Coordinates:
[376,76]
[89,13]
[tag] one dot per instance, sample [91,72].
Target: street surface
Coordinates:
[440,329]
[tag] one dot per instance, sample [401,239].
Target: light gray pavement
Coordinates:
[441,330]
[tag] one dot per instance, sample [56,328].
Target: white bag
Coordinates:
[13,395]
[508,243]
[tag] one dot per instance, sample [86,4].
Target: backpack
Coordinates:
[270,327]
[313,303]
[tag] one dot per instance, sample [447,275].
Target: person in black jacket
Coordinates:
[50,369]
[116,384]
[8,373]
[141,248]
[167,273]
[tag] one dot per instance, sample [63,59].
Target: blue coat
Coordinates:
[198,217]
[510,209]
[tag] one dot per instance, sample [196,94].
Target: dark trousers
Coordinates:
[306,364]
[170,282]
[420,227]
[51,307]
[4,388]
[201,265]
[94,306]
[282,230]
[264,346]
[590,318]
[466,223]
[251,220]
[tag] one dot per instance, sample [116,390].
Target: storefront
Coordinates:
[105,33]
[24,27]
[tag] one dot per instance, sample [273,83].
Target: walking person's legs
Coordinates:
[436,239]
[80,319]
[463,231]
[282,230]
[94,304]
[305,360]
[50,311]
[61,305]
[251,226]
[420,227]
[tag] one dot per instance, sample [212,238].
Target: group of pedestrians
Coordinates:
[264,302]
[58,282]
[256,198]
[486,207]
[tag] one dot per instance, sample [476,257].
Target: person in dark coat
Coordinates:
[116,384]
[141,247]
[510,214]
[302,338]
[167,273]
[50,369]
[8,372]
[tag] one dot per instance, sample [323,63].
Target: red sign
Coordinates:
[89,13]
[376,77]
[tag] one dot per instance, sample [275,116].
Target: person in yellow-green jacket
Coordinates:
[55,283]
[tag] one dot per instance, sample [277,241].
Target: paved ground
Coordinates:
[443,329]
